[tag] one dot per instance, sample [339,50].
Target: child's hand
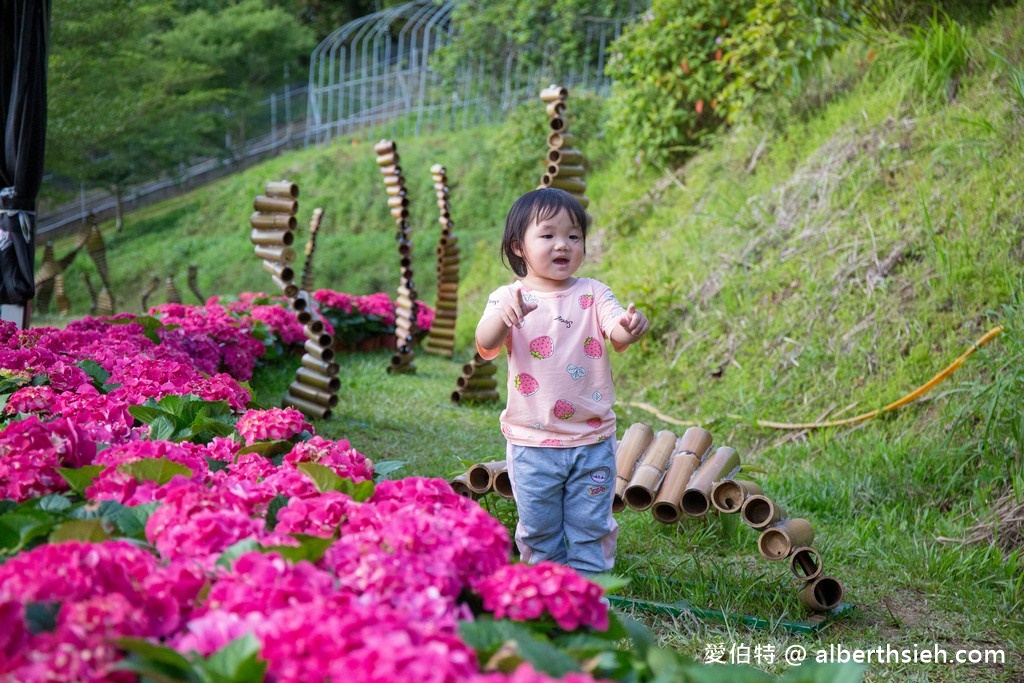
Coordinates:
[515,310]
[634,323]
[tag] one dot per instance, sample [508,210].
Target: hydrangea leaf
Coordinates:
[81,478]
[159,470]
[88,530]
[236,662]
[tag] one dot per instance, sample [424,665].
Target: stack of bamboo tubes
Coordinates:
[307,267]
[441,340]
[44,278]
[314,391]
[482,478]
[193,282]
[563,165]
[477,382]
[405,302]
[173,295]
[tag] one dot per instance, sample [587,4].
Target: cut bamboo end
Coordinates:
[309,393]
[822,594]
[481,476]
[777,541]
[384,146]
[805,563]
[307,408]
[317,379]
[323,353]
[759,511]
[275,205]
[697,497]
[279,253]
[474,396]
[460,485]
[553,93]
[328,368]
[273,221]
[502,484]
[281,188]
[728,495]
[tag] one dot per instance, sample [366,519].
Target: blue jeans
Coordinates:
[564,497]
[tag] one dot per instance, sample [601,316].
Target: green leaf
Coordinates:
[88,530]
[162,428]
[276,503]
[268,449]
[81,478]
[132,520]
[96,372]
[149,325]
[107,510]
[383,468]
[236,662]
[53,503]
[159,470]
[310,548]
[19,528]
[160,662]
[324,477]
[41,617]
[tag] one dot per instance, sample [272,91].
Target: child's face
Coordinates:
[553,251]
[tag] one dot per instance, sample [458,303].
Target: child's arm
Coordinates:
[492,330]
[631,327]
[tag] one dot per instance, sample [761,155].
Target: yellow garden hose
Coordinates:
[916,393]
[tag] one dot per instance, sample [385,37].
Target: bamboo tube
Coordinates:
[307,408]
[272,221]
[728,494]
[310,249]
[404,304]
[275,205]
[582,199]
[634,441]
[395,191]
[393,179]
[502,484]
[328,368]
[566,171]
[281,254]
[442,332]
[555,108]
[272,237]
[387,159]
[310,393]
[303,317]
[300,303]
[805,563]
[399,201]
[193,282]
[439,349]
[448,242]
[399,213]
[323,353]
[481,475]
[437,169]
[384,146]
[287,287]
[643,485]
[559,139]
[683,462]
[444,205]
[759,511]
[485,368]
[104,302]
[565,157]
[317,379]
[822,594]
[279,270]
[281,188]
[60,295]
[394,170]
[473,383]
[556,123]
[471,396]
[460,485]
[572,185]
[321,338]
[554,92]
[173,296]
[697,497]
[778,540]
[446,306]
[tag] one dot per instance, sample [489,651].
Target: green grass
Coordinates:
[819,268]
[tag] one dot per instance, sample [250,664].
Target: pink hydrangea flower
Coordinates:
[272,424]
[523,592]
[339,455]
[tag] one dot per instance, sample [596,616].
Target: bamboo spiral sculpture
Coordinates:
[173,295]
[44,278]
[405,302]
[563,165]
[193,282]
[97,251]
[307,266]
[441,339]
[686,477]
[478,382]
[314,390]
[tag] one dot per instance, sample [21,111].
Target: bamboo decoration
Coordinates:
[193,282]
[477,382]
[460,484]
[634,442]
[778,541]
[441,339]
[697,497]
[398,201]
[563,166]
[643,485]
[684,461]
[314,391]
[728,495]
[148,292]
[805,563]
[822,594]
[60,295]
[173,295]
[92,292]
[482,478]
[48,268]
[104,302]
[307,266]
[98,253]
[759,512]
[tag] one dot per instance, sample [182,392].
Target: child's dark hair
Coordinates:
[533,207]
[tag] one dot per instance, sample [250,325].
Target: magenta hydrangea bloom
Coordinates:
[115,483]
[339,455]
[31,451]
[272,424]
[314,516]
[522,592]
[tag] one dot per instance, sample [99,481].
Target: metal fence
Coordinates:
[374,75]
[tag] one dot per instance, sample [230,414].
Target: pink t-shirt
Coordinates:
[560,389]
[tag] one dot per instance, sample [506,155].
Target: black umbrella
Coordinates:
[24,38]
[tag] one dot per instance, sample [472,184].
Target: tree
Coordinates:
[243,50]
[120,108]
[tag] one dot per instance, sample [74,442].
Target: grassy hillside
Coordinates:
[810,269]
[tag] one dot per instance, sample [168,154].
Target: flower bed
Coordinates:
[154,524]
